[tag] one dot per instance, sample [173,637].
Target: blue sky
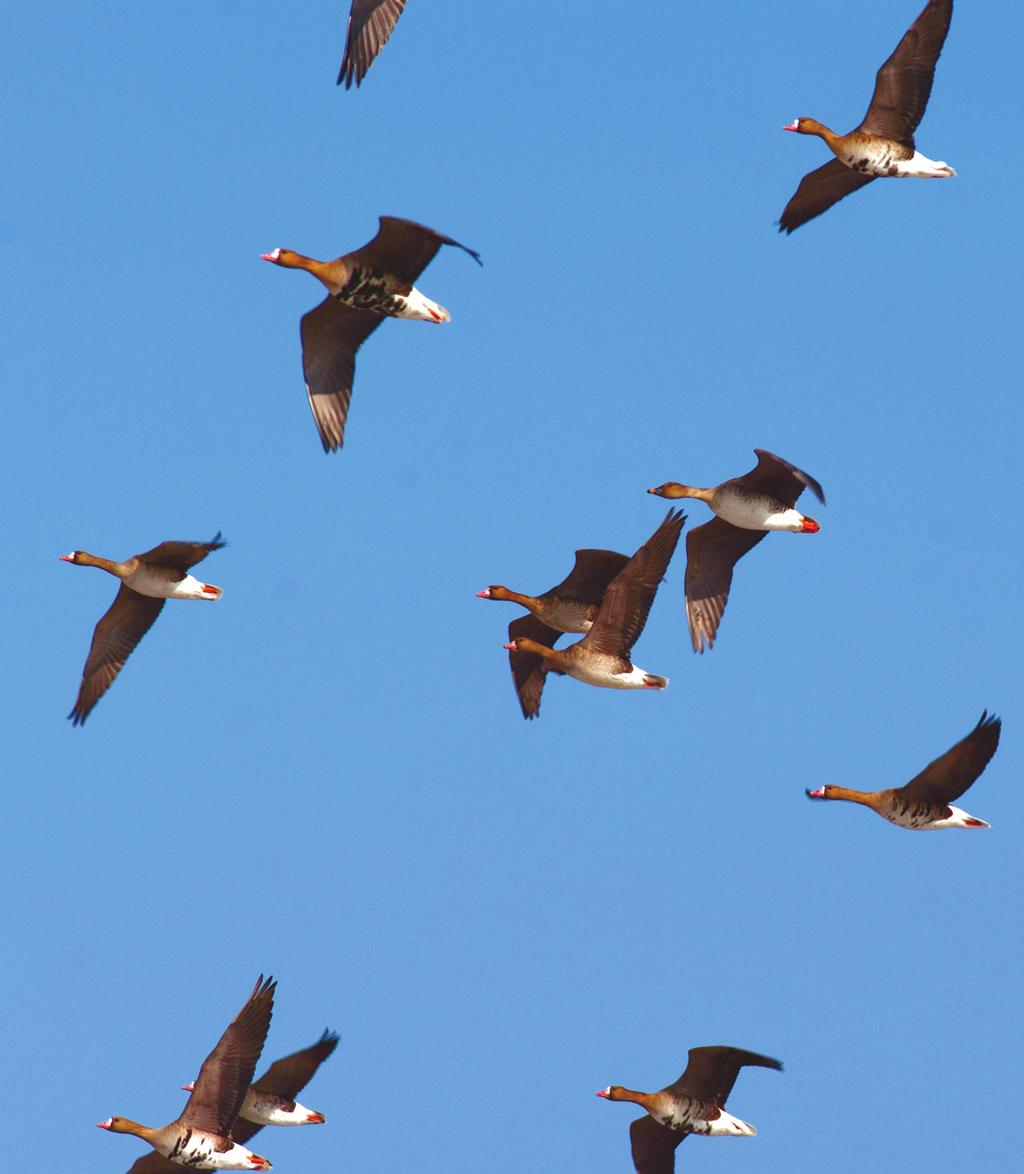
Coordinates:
[326,776]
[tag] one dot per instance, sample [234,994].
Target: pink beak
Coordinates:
[602,1093]
[510,648]
[817,793]
[190,1087]
[268,256]
[794,125]
[103,1124]
[485,594]
[67,558]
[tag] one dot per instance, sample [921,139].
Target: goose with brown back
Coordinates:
[363,288]
[146,581]
[883,144]
[695,1103]
[570,606]
[201,1136]
[926,802]
[602,657]
[748,507]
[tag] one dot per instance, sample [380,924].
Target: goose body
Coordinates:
[925,803]
[363,288]
[146,581]
[603,657]
[695,1103]
[883,144]
[747,508]
[200,1138]
[265,1108]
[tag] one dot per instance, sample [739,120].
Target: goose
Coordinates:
[271,1099]
[201,1136]
[274,1090]
[926,802]
[602,657]
[146,581]
[747,508]
[363,288]
[695,1103]
[570,606]
[370,24]
[883,144]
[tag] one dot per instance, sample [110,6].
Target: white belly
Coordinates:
[145,582]
[196,1151]
[755,513]
[919,166]
[603,678]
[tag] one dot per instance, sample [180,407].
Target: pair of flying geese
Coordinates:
[376,281]
[225,1108]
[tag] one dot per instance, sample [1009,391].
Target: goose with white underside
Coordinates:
[695,1103]
[602,657]
[883,144]
[363,288]
[147,580]
[926,802]
[748,507]
[200,1137]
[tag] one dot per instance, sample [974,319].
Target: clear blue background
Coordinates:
[327,776]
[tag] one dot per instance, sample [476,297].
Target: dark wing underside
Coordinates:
[818,191]
[227,1071]
[153,1163]
[711,1072]
[591,573]
[129,618]
[654,1146]
[712,550]
[777,477]
[529,669]
[181,555]
[370,23]
[331,334]
[404,248]
[628,599]
[952,773]
[904,83]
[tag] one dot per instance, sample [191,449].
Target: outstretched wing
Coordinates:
[529,669]
[405,248]
[712,550]
[181,555]
[904,83]
[129,618]
[591,573]
[654,1146]
[711,1072]
[227,1071]
[818,191]
[776,476]
[331,334]
[952,773]
[370,23]
[628,599]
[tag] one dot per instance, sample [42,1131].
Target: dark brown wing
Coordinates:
[405,248]
[370,23]
[129,618]
[711,1072]
[592,572]
[629,597]
[777,476]
[818,191]
[952,773]
[287,1078]
[712,550]
[529,669]
[331,334]
[181,555]
[654,1146]
[904,83]
[227,1071]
